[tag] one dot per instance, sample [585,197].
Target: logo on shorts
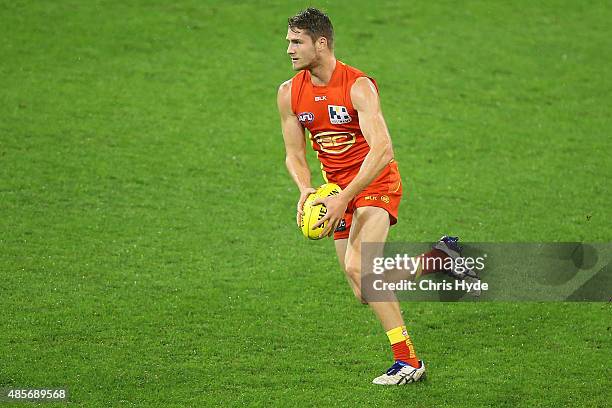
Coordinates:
[338,114]
[306,117]
[341,226]
[385,199]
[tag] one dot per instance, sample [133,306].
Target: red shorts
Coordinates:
[384,192]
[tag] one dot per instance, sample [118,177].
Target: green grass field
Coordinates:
[148,250]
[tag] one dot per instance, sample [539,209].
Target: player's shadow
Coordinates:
[559,263]
[597,289]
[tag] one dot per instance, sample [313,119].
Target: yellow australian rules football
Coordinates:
[313,213]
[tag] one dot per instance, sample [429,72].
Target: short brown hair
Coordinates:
[316,23]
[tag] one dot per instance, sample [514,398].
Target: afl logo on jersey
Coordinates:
[306,117]
[338,114]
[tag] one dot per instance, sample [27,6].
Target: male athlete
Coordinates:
[339,105]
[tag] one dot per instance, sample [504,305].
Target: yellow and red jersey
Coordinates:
[328,114]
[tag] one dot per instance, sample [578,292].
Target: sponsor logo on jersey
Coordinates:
[306,117]
[334,142]
[320,98]
[338,114]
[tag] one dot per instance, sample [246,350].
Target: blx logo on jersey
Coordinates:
[306,117]
[338,115]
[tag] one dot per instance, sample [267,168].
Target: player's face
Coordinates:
[301,49]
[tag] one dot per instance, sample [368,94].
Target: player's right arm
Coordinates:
[295,146]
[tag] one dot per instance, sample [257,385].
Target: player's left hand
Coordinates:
[336,206]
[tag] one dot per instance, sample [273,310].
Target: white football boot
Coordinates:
[401,373]
[450,246]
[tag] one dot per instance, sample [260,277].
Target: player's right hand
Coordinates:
[300,205]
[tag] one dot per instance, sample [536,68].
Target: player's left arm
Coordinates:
[372,123]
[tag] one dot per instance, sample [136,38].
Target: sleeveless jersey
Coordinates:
[332,121]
